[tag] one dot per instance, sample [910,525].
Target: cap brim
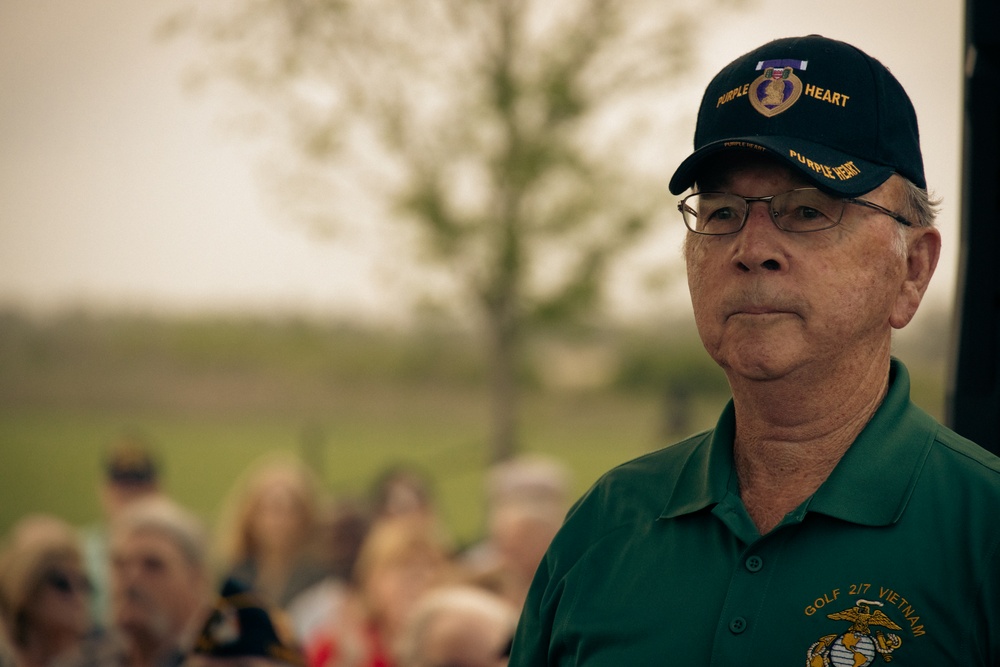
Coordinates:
[828,169]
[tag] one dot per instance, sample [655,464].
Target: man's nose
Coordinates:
[759,244]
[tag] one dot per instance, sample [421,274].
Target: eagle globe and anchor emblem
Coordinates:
[858,647]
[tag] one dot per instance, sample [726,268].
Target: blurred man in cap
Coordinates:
[130,472]
[825,520]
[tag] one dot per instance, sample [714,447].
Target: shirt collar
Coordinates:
[704,477]
[874,480]
[870,485]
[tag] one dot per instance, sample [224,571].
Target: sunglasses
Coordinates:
[68,584]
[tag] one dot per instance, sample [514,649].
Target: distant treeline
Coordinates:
[78,353]
[81,357]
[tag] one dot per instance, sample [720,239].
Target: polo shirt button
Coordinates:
[755,563]
[738,625]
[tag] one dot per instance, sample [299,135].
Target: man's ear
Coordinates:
[923,250]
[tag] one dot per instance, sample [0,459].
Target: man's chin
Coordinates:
[757,364]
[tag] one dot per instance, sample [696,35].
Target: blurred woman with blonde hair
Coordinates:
[401,560]
[44,592]
[269,530]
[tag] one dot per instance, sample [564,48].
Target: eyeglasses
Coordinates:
[68,584]
[800,210]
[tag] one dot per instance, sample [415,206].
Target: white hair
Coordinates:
[463,600]
[166,518]
[917,204]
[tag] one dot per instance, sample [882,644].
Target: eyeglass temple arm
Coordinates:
[892,214]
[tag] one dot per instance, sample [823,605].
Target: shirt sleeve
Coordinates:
[534,629]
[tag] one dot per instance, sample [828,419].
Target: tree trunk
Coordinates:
[503,386]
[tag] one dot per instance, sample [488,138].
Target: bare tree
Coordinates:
[507,131]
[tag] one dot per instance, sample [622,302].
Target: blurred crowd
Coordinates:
[286,575]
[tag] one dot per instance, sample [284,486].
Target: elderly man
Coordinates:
[825,520]
[160,587]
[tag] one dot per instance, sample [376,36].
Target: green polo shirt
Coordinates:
[895,558]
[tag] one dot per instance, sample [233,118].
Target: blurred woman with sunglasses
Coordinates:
[44,592]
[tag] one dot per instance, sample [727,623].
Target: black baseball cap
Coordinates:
[131,462]
[825,107]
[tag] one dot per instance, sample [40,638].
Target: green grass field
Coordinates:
[51,456]
[217,395]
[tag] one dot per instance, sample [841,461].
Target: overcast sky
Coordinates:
[117,188]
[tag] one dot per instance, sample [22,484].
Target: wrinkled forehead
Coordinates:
[148,545]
